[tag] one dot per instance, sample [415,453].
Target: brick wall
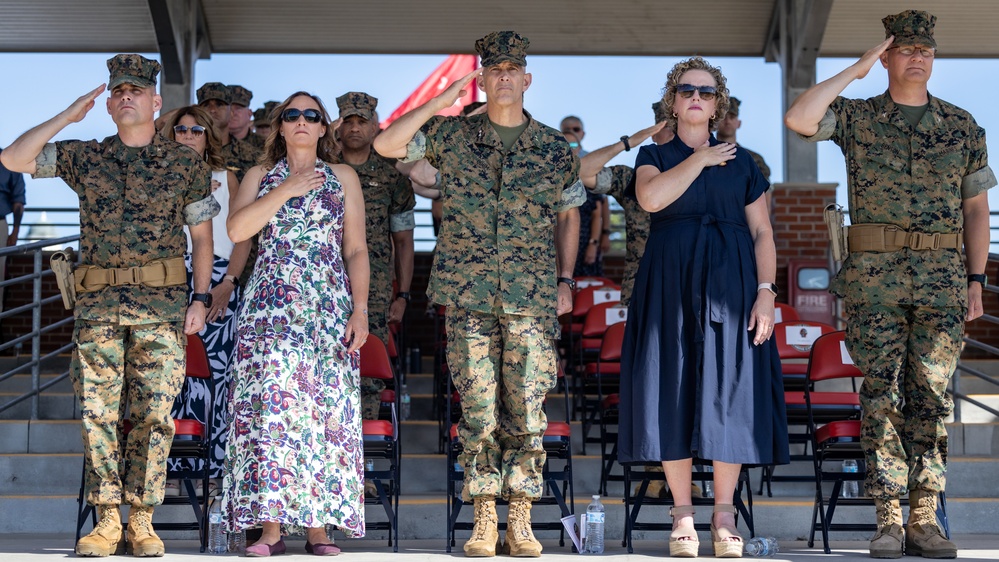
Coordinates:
[20,294]
[799,231]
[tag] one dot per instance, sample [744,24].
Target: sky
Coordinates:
[612,95]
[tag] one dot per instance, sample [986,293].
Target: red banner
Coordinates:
[451,70]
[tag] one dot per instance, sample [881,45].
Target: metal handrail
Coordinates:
[39,271]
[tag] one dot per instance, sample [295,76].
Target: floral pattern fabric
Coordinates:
[295,453]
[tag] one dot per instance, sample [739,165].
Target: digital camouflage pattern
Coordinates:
[502,46]
[264,113]
[240,156]
[132,69]
[659,110]
[915,178]
[240,95]
[616,181]
[498,355]
[153,377]
[911,27]
[214,91]
[496,248]
[256,141]
[134,203]
[357,103]
[907,355]
[760,162]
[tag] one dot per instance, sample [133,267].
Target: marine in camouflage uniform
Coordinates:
[262,122]
[134,203]
[389,223]
[241,98]
[925,170]
[510,195]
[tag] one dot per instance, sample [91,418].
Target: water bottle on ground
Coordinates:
[594,527]
[237,542]
[709,485]
[369,465]
[405,403]
[851,488]
[762,547]
[218,543]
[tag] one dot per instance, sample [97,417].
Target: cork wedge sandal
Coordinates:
[732,547]
[682,543]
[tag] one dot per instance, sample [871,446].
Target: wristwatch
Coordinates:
[624,141]
[772,287]
[232,279]
[568,281]
[404,295]
[205,298]
[980,277]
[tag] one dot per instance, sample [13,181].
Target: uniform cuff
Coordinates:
[605,180]
[827,126]
[417,148]
[401,222]
[572,196]
[45,162]
[201,211]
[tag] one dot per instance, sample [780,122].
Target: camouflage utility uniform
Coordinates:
[906,308]
[134,203]
[240,156]
[616,181]
[495,271]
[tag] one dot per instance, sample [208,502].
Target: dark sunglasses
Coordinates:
[196,130]
[706,93]
[292,115]
[572,130]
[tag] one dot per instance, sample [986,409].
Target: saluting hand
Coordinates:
[79,108]
[456,90]
[866,62]
[297,184]
[715,155]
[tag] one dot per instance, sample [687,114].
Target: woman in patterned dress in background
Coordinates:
[295,455]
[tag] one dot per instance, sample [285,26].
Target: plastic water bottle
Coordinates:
[405,403]
[851,488]
[237,542]
[369,465]
[709,484]
[218,543]
[594,527]
[762,547]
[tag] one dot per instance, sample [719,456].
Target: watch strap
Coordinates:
[772,287]
[568,281]
[980,277]
[624,141]
[404,295]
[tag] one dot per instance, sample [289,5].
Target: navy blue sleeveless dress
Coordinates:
[693,384]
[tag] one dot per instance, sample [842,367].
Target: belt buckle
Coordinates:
[919,241]
[124,276]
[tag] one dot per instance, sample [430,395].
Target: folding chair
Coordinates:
[381,443]
[594,281]
[558,484]
[633,503]
[606,371]
[794,340]
[834,427]
[784,313]
[586,343]
[601,372]
[192,440]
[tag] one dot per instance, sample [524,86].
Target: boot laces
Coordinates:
[107,519]
[141,521]
[520,519]
[484,521]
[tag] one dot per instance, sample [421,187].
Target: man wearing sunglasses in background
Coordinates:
[921,164]
[574,125]
[137,191]
[503,269]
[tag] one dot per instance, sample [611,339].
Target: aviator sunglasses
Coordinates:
[196,130]
[292,115]
[706,93]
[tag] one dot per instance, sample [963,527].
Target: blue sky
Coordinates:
[613,95]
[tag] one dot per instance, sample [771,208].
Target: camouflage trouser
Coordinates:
[148,360]
[371,389]
[908,355]
[502,366]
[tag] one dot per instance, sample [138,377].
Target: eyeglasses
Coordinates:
[572,130]
[292,115]
[196,130]
[706,93]
[909,50]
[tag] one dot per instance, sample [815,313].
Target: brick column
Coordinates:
[799,230]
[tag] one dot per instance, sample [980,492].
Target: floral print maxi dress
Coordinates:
[295,453]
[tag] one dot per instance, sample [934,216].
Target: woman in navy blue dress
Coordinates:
[702,375]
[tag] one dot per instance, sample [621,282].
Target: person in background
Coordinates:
[11,202]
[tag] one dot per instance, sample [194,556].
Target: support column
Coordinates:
[182,37]
[796,32]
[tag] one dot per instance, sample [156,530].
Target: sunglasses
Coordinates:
[196,130]
[909,50]
[292,115]
[572,130]
[706,93]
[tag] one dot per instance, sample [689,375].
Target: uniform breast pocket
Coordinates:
[541,193]
[949,166]
[884,156]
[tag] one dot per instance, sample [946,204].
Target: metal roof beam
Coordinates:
[182,38]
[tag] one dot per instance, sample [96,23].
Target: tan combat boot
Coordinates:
[924,537]
[142,541]
[106,536]
[520,539]
[887,541]
[485,530]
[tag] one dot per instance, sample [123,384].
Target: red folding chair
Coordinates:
[381,442]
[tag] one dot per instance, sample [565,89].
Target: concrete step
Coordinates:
[51,406]
[20,384]
[424,517]
[40,436]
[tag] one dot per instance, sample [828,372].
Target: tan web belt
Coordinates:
[158,273]
[891,238]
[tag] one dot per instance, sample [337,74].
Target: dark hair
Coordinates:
[673,78]
[275,149]
[213,140]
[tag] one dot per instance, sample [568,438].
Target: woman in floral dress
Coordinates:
[295,455]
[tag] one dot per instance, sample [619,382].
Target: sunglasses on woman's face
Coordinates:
[292,115]
[706,93]
[196,130]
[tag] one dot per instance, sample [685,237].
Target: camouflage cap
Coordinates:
[240,95]
[132,69]
[357,103]
[911,27]
[733,105]
[659,109]
[264,113]
[502,46]
[214,91]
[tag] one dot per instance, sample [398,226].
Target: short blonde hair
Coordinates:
[673,78]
